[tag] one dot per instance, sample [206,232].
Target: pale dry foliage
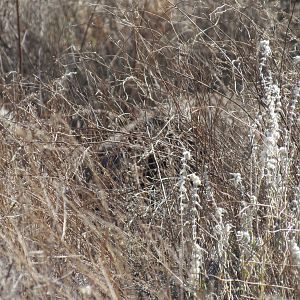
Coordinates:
[149,150]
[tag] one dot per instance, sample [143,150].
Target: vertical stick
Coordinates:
[88,26]
[19,38]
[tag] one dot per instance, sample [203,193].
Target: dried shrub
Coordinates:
[149,150]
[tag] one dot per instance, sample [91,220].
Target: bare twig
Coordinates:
[19,38]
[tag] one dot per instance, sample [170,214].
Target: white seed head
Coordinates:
[5,113]
[86,290]
[237,178]
[195,179]
[243,237]
[296,59]
[187,155]
[265,48]
[295,252]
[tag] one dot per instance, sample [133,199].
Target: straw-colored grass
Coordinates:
[149,150]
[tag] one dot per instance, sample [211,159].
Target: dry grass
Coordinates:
[149,150]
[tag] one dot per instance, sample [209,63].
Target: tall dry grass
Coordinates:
[149,150]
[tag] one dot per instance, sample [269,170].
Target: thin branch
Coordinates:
[19,39]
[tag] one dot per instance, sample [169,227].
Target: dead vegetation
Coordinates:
[149,150]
